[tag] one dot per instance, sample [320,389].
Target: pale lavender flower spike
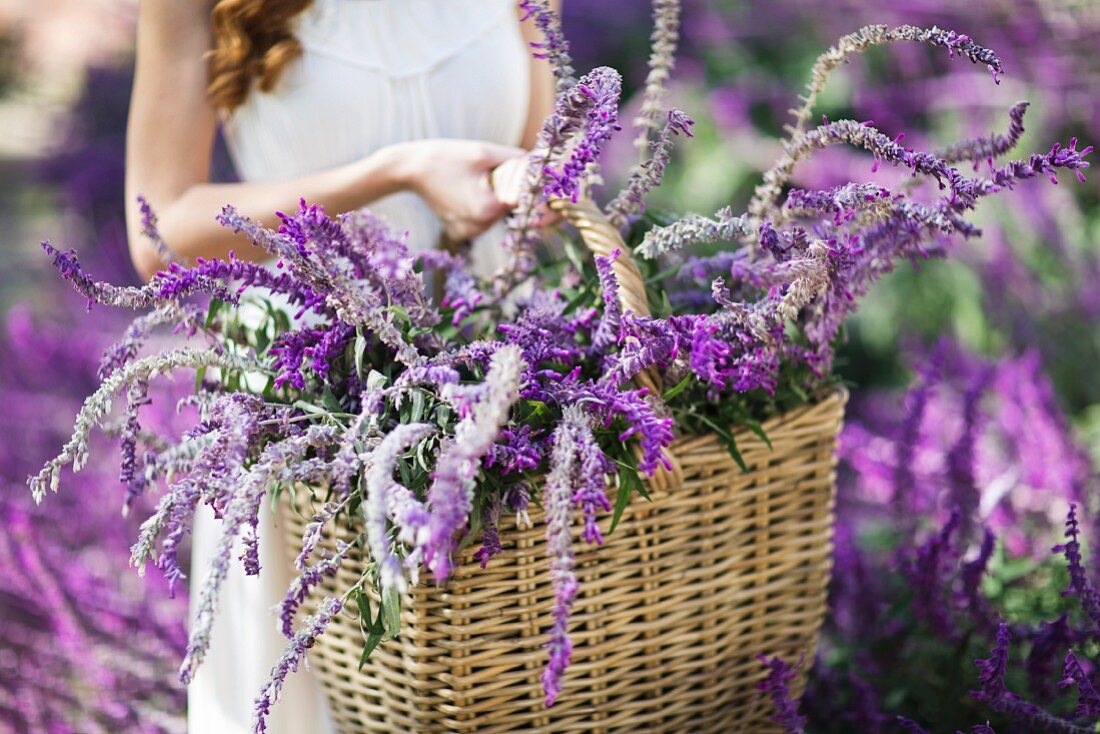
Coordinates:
[451,493]
[385,499]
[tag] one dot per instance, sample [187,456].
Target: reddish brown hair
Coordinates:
[253,43]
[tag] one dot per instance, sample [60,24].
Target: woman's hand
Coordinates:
[453,177]
[508,180]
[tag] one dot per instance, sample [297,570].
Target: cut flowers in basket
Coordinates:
[420,403]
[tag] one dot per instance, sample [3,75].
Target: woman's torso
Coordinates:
[378,72]
[373,73]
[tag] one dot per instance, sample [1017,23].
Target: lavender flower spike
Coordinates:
[451,494]
[880,35]
[647,176]
[992,146]
[152,233]
[663,42]
[584,117]
[694,229]
[1079,583]
[1027,715]
[597,94]
[248,487]
[554,48]
[291,659]
[1088,702]
[305,582]
[97,292]
[558,503]
[777,686]
[98,405]
[379,491]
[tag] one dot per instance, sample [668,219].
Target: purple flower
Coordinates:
[380,497]
[1079,583]
[596,96]
[606,333]
[516,452]
[928,571]
[557,500]
[450,495]
[305,582]
[1088,702]
[291,658]
[149,229]
[590,481]
[553,47]
[663,41]
[991,673]
[777,687]
[647,176]
[490,534]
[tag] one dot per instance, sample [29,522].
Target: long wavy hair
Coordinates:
[253,44]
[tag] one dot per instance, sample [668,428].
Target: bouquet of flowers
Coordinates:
[419,402]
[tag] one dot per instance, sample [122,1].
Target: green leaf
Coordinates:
[373,630]
[663,274]
[330,401]
[727,438]
[576,301]
[534,409]
[417,413]
[573,254]
[212,312]
[309,408]
[629,482]
[376,380]
[666,304]
[423,457]
[391,608]
[678,388]
[731,447]
[405,471]
[400,313]
[363,602]
[360,351]
[263,341]
[755,427]
[444,417]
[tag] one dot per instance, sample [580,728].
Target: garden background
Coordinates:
[975,414]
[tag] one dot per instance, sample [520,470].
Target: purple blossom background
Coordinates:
[973,429]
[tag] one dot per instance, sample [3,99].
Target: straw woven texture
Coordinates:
[721,566]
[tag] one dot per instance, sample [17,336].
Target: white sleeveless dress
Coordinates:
[373,73]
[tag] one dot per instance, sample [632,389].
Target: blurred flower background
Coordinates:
[974,423]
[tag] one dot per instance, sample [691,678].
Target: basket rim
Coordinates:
[832,398]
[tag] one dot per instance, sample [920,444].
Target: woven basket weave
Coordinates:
[672,610]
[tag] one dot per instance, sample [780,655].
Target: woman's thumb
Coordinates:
[493,154]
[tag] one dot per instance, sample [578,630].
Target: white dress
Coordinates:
[373,73]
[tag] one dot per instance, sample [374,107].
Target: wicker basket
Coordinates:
[721,566]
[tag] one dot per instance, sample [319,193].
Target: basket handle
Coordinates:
[602,238]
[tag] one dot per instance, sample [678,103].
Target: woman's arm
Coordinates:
[541,103]
[170,135]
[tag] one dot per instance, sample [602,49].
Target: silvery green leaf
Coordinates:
[376,380]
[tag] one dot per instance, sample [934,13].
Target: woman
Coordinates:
[403,105]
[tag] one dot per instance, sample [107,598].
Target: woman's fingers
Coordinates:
[492,155]
[507,180]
